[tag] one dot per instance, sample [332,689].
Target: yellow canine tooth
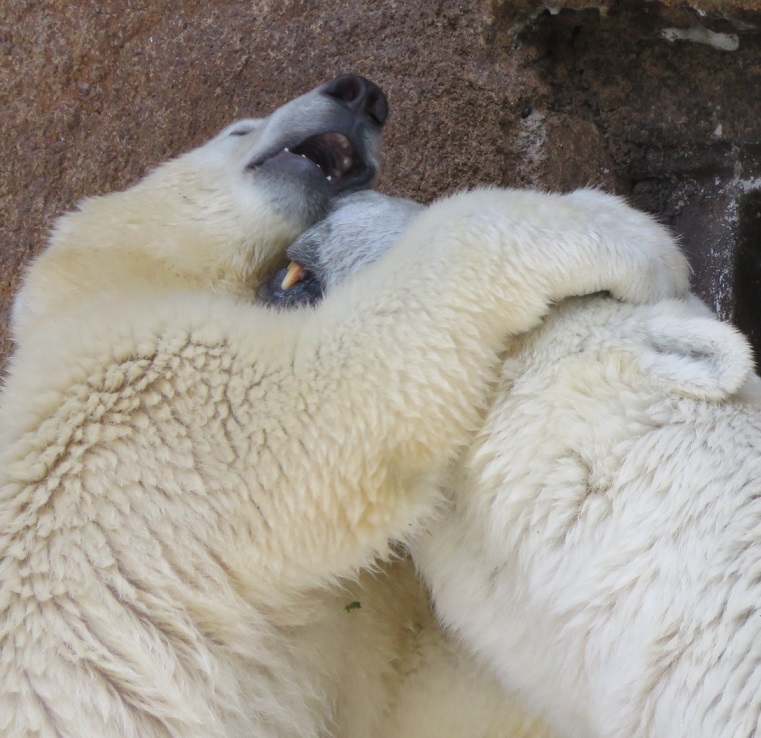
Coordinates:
[293,275]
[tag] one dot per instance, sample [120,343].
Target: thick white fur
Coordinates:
[184,474]
[602,549]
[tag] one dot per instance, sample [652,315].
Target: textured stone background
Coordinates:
[658,101]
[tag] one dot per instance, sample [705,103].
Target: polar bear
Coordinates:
[186,473]
[601,550]
[601,547]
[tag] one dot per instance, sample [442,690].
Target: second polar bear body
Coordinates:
[601,548]
[184,473]
[601,551]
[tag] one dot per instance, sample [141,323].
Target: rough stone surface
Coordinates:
[658,101]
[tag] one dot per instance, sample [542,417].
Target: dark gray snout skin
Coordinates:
[358,230]
[359,96]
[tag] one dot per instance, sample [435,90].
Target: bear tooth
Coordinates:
[329,178]
[286,149]
[293,275]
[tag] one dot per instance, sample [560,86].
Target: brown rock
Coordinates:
[95,94]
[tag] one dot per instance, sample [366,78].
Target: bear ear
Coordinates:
[696,354]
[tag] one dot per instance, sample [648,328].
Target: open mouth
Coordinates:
[333,155]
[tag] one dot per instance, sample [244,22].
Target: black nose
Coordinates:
[359,95]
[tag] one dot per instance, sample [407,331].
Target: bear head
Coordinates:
[220,216]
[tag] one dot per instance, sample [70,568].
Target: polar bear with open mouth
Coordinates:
[185,474]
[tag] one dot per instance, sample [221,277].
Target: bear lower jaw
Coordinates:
[289,164]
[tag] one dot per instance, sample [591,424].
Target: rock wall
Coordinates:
[658,101]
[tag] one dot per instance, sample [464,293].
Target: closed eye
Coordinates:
[243,127]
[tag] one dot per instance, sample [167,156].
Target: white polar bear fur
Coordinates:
[601,545]
[602,550]
[184,474]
